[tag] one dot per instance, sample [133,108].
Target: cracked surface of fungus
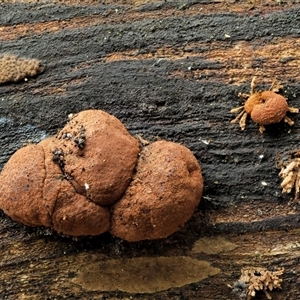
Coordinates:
[90,179]
[264,107]
[14,68]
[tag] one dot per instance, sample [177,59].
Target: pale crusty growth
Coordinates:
[14,68]
[264,107]
[290,173]
[260,279]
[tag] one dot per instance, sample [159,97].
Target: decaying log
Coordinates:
[168,70]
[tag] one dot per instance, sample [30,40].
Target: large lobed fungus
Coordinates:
[92,178]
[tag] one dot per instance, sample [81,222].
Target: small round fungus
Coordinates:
[270,108]
[92,178]
[264,107]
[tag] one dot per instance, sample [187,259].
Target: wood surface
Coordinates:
[168,70]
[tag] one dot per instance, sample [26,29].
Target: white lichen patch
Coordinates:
[143,274]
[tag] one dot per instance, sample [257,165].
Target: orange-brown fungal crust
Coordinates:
[162,196]
[14,68]
[264,107]
[80,182]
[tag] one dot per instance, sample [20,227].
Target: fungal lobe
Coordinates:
[109,156]
[22,192]
[162,196]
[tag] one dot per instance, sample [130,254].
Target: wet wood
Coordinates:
[171,70]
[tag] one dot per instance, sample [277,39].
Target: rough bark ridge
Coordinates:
[171,70]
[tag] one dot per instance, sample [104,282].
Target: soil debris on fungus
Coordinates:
[264,107]
[14,68]
[255,279]
[93,175]
[290,173]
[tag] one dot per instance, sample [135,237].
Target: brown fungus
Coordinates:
[162,196]
[14,68]
[100,154]
[59,184]
[21,187]
[89,179]
[264,107]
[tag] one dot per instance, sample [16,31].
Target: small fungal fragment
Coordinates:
[255,279]
[92,178]
[14,68]
[290,173]
[264,107]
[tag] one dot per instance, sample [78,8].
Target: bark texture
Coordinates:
[168,70]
